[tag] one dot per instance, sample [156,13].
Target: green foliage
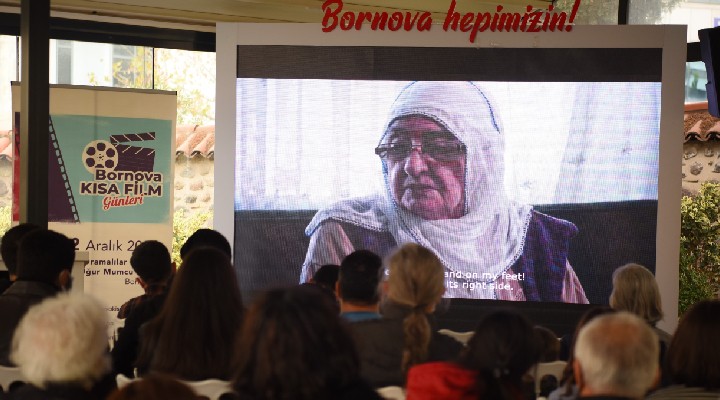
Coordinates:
[700,246]
[184,225]
[190,73]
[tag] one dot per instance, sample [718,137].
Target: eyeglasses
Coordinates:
[441,150]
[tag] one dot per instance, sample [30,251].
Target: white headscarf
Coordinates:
[489,237]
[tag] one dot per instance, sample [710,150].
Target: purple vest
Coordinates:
[543,260]
[544,257]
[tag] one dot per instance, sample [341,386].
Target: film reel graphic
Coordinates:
[100,154]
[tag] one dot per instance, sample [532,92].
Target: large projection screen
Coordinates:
[588,120]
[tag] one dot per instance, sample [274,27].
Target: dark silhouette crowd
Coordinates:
[364,329]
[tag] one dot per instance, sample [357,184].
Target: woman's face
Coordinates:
[429,180]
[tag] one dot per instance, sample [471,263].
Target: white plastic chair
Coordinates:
[8,376]
[462,337]
[122,380]
[392,392]
[554,368]
[210,388]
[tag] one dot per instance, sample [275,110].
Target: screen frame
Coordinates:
[670,38]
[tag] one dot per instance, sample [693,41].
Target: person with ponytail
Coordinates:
[493,366]
[405,335]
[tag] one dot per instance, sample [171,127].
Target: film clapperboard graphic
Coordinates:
[119,155]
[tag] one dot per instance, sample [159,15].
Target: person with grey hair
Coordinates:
[60,347]
[442,155]
[616,357]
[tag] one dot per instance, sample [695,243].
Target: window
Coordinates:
[695,81]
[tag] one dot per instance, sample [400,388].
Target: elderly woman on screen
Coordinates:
[442,157]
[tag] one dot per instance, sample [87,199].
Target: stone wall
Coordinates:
[194,183]
[701,163]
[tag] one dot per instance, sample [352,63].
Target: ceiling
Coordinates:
[206,13]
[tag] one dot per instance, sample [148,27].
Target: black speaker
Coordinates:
[710,53]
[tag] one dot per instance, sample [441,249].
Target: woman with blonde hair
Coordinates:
[405,335]
[635,290]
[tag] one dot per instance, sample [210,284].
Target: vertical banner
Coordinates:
[109,178]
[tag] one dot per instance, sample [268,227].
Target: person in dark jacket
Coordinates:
[406,334]
[8,250]
[151,262]
[45,259]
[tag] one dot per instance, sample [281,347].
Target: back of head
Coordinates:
[11,242]
[587,316]
[151,261]
[154,387]
[549,344]
[502,349]
[359,277]
[691,359]
[635,290]
[206,238]
[43,255]
[204,303]
[294,345]
[617,354]
[417,281]
[62,340]
[327,276]
[416,277]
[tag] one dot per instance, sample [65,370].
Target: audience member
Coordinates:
[635,290]
[549,344]
[293,345]
[44,262]
[693,361]
[60,347]
[151,262]
[154,387]
[206,238]
[8,250]
[405,335]
[498,357]
[358,285]
[549,352]
[326,277]
[192,337]
[568,390]
[616,357]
